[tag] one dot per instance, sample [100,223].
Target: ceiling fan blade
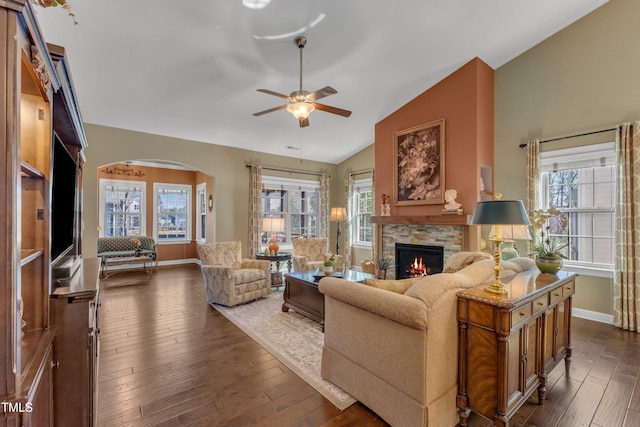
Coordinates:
[270,110]
[321,93]
[270,92]
[334,110]
[304,122]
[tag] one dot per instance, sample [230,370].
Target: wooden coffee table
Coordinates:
[301,292]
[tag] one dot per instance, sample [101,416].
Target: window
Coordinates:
[201,209]
[122,208]
[172,213]
[580,182]
[363,209]
[294,200]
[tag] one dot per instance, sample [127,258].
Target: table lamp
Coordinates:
[338,215]
[273,226]
[499,213]
[511,233]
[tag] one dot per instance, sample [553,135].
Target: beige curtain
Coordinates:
[325,208]
[533,181]
[626,279]
[346,225]
[255,210]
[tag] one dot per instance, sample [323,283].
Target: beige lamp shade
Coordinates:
[512,232]
[273,225]
[338,214]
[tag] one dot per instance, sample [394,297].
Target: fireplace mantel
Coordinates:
[422,220]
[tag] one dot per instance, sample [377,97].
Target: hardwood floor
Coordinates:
[169,359]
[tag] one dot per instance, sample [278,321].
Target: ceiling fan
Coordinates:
[302,103]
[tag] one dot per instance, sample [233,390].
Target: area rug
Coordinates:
[294,339]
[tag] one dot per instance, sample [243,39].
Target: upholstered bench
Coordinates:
[110,249]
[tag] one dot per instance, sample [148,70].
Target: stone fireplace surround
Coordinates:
[449,231]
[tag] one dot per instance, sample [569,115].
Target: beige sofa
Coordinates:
[397,352]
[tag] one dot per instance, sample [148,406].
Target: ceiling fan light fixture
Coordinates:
[255,4]
[301,102]
[301,109]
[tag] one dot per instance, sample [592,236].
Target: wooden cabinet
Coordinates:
[37,409]
[31,88]
[74,312]
[26,111]
[508,344]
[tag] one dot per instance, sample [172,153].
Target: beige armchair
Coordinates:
[310,253]
[229,279]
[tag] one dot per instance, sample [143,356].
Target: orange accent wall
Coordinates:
[464,99]
[167,176]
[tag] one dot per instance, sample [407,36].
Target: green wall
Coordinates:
[583,78]
[359,162]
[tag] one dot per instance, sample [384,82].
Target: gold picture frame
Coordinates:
[418,165]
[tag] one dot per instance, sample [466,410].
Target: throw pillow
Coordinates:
[397,286]
[457,262]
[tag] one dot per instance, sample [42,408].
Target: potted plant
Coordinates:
[328,264]
[382,264]
[547,250]
[54,3]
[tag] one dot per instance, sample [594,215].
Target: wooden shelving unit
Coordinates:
[32,348]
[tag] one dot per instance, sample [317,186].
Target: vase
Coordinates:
[381,274]
[549,265]
[508,251]
[328,270]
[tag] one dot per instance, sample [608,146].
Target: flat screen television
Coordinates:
[63,201]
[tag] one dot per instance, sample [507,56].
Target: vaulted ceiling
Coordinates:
[190,69]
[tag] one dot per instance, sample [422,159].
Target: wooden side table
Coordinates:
[276,278]
[509,343]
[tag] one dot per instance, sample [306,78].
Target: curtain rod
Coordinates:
[572,136]
[361,172]
[290,171]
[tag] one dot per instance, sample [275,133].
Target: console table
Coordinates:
[509,343]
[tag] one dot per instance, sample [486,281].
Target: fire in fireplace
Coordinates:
[417,268]
[418,260]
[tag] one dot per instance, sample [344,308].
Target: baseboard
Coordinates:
[180,261]
[160,263]
[592,315]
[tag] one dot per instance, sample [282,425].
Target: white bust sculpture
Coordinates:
[450,197]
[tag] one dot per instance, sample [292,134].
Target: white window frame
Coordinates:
[290,184]
[361,186]
[201,212]
[583,157]
[158,186]
[121,183]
